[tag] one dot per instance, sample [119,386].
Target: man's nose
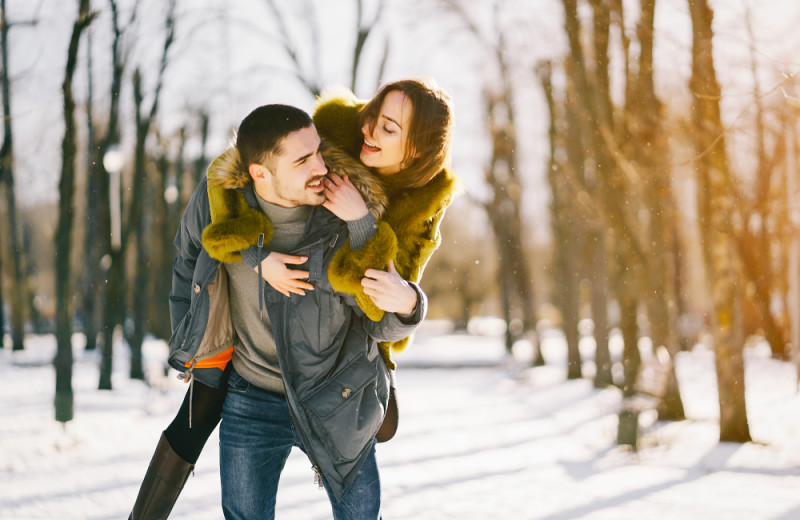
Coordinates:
[320,166]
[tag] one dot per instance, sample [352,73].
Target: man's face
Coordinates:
[295,176]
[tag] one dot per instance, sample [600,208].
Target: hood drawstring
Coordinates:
[260,278]
[188,375]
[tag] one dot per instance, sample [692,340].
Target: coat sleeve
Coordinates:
[188,245]
[410,253]
[393,327]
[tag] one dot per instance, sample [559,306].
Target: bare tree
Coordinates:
[461,282]
[754,239]
[504,207]
[166,216]
[594,101]
[91,275]
[310,80]
[715,204]
[311,75]
[66,189]
[626,148]
[109,251]
[363,30]
[18,291]
[135,221]
[201,162]
[566,222]
[645,146]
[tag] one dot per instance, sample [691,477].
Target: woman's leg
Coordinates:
[188,436]
[177,451]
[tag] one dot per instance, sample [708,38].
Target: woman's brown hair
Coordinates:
[428,146]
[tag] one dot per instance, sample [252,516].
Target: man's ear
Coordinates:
[257,171]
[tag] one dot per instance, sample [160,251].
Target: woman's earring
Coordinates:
[403,165]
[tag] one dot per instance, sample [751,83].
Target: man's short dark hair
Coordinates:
[259,137]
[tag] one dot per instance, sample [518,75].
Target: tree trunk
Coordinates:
[599,301]
[135,228]
[136,223]
[756,242]
[66,189]
[564,223]
[504,215]
[596,110]
[91,290]
[110,254]
[715,212]
[576,225]
[165,218]
[201,163]
[112,314]
[650,152]
[631,357]
[2,305]
[18,289]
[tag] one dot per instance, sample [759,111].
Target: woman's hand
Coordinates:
[389,291]
[343,199]
[283,279]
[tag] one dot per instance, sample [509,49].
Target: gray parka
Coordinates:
[336,382]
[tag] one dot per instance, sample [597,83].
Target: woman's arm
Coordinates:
[409,252]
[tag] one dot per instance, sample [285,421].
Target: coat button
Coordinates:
[197,288]
[346,393]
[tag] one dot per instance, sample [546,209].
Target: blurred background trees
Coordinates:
[616,192]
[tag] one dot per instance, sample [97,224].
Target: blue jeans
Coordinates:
[255,439]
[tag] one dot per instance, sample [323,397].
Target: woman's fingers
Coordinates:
[287,281]
[389,291]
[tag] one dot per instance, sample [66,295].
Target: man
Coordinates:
[306,368]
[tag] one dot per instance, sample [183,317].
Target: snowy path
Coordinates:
[485,440]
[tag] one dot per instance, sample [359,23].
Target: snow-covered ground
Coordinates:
[481,437]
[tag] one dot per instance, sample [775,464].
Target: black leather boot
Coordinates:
[162,483]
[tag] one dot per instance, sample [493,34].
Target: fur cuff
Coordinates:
[347,267]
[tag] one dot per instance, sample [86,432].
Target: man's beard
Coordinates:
[306,198]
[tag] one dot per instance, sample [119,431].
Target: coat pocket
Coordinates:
[345,412]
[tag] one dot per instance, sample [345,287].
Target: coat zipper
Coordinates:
[318,481]
[293,416]
[309,450]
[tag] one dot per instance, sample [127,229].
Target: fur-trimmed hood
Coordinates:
[235,225]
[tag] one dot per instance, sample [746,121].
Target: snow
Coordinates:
[482,436]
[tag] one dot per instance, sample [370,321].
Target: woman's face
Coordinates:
[385,148]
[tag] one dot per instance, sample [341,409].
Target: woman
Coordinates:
[403,135]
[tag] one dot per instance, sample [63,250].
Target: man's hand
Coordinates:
[343,199]
[389,291]
[283,279]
